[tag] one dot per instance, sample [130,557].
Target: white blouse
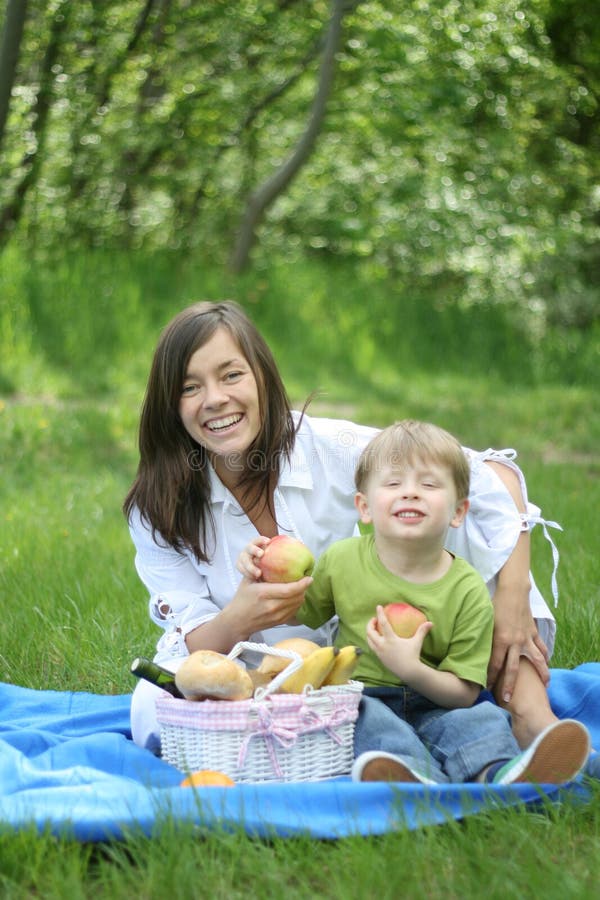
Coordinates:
[314,502]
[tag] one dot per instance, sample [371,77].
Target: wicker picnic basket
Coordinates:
[272,737]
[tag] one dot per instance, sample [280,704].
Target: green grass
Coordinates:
[519,853]
[75,345]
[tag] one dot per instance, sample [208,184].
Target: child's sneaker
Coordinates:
[592,767]
[556,756]
[376,765]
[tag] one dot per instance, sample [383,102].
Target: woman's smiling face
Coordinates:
[219,405]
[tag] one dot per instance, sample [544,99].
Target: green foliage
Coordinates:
[88,312]
[459,153]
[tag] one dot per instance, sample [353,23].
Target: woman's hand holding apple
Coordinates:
[278,560]
[269,594]
[255,606]
[248,562]
[263,605]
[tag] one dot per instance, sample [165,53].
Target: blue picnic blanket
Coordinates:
[67,764]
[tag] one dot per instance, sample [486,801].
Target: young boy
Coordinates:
[418,719]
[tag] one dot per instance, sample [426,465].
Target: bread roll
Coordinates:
[271,665]
[206,674]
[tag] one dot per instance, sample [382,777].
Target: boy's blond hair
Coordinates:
[405,441]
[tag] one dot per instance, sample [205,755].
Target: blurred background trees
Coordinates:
[457,154]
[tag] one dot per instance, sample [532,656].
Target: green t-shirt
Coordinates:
[349,581]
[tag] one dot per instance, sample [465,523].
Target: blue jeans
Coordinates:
[445,745]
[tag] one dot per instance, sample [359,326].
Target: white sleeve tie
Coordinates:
[527,522]
[509,454]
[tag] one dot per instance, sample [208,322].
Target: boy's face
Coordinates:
[411,501]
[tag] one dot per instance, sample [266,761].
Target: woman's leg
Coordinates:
[145,729]
[529,707]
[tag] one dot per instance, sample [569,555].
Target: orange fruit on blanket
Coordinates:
[207,778]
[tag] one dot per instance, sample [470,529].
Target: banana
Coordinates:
[345,663]
[314,670]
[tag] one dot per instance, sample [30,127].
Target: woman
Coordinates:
[223,457]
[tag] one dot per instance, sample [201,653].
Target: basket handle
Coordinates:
[294,664]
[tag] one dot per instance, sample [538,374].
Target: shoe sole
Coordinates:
[382,769]
[568,742]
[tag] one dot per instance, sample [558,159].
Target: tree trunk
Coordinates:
[31,162]
[268,192]
[14,22]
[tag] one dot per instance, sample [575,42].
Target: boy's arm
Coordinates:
[443,688]
[402,657]
[318,606]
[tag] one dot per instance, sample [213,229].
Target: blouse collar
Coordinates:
[295,472]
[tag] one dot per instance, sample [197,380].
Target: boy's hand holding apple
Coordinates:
[396,634]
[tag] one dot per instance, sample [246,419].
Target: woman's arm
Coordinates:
[255,606]
[515,631]
[181,603]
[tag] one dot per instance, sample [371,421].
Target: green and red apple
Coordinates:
[404,618]
[285,559]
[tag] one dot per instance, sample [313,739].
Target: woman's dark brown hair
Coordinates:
[172,487]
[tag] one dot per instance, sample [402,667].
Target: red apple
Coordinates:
[285,559]
[404,618]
